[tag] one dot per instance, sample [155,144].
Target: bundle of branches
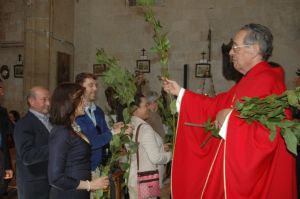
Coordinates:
[122,81]
[271,112]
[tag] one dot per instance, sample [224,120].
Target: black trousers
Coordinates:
[38,189]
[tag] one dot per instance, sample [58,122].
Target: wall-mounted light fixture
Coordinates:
[4,71]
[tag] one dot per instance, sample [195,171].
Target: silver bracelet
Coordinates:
[88,186]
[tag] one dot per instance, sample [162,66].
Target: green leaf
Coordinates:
[116,141]
[285,124]
[173,106]
[276,112]
[293,99]
[126,115]
[124,166]
[290,141]
[273,130]
[238,106]
[133,147]
[99,194]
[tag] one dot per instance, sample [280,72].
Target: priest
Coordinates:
[244,163]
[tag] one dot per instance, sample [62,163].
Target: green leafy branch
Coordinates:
[122,81]
[169,116]
[209,127]
[161,47]
[270,111]
[161,41]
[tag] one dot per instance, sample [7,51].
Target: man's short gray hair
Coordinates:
[261,35]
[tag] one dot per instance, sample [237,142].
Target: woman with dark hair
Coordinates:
[69,167]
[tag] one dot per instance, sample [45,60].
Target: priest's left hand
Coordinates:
[220,118]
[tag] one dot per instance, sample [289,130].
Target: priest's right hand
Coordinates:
[171,86]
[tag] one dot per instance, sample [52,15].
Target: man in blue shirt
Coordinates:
[93,123]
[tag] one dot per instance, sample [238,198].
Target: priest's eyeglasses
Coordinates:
[235,47]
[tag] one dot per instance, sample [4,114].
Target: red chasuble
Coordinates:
[245,165]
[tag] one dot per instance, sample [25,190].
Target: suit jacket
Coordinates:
[69,162]
[31,141]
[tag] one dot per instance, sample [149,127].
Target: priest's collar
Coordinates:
[257,68]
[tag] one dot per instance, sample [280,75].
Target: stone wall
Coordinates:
[39,29]
[122,32]
[11,45]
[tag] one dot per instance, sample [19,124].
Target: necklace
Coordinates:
[76,128]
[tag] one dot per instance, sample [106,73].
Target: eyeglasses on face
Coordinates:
[235,47]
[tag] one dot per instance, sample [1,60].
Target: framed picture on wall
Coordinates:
[18,71]
[99,69]
[202,70]
[63,71]
[143,65]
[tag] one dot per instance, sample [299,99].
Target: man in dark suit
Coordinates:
[31,137]
[5,163]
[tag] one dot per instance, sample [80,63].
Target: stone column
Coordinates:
[37,31]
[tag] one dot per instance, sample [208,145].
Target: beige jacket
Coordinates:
[151,152]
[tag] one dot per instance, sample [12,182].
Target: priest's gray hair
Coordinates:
[261,35]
